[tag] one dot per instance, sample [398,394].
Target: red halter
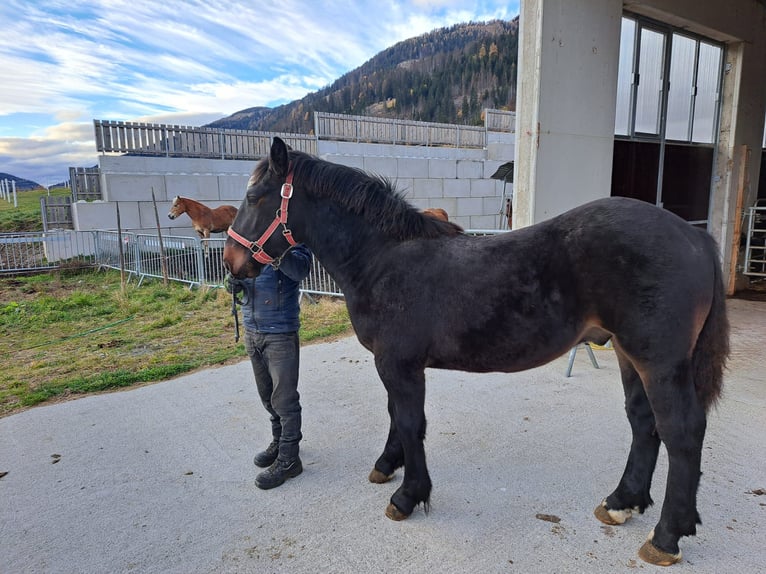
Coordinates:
[256,247]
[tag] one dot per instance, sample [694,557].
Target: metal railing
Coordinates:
[755,246]
[187,259]
[41,251]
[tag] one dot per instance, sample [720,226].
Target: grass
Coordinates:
[26,216]
[69,334]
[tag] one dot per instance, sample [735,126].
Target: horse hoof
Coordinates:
[653,555]
[394,513]
[378,477]
[612,517]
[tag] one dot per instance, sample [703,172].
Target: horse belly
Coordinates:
[502,352]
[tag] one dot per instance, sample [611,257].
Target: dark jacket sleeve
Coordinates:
[296,263]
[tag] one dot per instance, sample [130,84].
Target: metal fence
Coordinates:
[41,251]
[186,259]
[755,246]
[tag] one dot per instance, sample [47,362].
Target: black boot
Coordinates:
[278,473]
[268,456]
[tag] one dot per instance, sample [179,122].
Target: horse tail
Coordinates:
[712,348]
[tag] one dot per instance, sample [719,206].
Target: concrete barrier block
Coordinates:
[92,215]
[232,188]
[378,165]
[442,168]
[134,187]
[470,169]
[405,185]
[468,206]
[456,187]
[501,151]
[427,189]
[484,222]
[411,167]
[198,187]
[355,161]
[483,188]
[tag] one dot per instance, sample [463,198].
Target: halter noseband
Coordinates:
[256,247]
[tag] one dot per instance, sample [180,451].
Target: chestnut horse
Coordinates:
[436,212]
[204,220]
[420,293]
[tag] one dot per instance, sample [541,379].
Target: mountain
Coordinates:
[21,184]
[448,75]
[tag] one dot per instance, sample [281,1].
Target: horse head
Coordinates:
[177,208]
[259,233]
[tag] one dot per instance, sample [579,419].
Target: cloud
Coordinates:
[182,60]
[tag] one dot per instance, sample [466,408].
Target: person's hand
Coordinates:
[232,284]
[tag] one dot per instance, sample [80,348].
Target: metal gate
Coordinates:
[755,247]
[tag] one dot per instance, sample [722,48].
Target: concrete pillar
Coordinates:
[735,181]
[568,60]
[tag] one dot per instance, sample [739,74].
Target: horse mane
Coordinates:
[184,198]
[374,198]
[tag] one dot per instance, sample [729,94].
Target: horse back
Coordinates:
[511,302]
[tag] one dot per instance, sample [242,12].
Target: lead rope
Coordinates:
[236,316]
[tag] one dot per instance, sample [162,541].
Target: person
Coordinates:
[271,317]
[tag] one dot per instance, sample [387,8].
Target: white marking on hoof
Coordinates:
[619,516]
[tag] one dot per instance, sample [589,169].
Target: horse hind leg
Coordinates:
[633,491]
[392,456]
[681,423]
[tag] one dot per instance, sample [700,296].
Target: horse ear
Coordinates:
[278,160]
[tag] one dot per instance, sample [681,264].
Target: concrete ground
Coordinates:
[160,478]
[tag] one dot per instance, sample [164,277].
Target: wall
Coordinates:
[568,59]
[457,180]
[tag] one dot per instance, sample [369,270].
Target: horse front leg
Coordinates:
[406,391]
[393,453]
[633,492]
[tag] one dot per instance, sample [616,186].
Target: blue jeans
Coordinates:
[275,360]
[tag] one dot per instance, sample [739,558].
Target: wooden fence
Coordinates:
[56,212]
[390,131]
[186,141]
[499,121]
[85,182]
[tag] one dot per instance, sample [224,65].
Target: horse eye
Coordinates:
[254,199]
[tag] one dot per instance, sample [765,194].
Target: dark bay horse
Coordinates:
[420,293]
[204,219]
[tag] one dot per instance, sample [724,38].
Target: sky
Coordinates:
[64,63]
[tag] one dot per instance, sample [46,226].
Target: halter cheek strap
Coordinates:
[256,247]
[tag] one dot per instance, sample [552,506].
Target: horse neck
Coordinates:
[193,207]
[343,242]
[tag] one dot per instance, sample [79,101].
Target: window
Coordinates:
[681,88]
[650,76]
[691,92]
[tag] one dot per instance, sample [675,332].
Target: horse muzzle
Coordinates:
[238,262]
